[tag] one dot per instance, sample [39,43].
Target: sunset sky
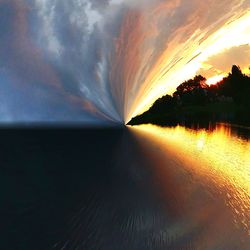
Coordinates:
[93,61]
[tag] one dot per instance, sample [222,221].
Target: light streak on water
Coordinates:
[216,157]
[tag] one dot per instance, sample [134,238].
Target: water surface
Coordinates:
[138,188]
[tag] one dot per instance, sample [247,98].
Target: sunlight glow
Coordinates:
[158,83]
[215,79]
[217,155]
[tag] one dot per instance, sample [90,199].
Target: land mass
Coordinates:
[195,101]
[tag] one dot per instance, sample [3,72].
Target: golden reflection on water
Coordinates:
[218,156]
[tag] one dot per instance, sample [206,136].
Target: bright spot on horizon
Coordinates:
[214,80]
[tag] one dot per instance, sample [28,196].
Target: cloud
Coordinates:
[82,47]
[54,60]
[163,44]
[222,62]
[103,59]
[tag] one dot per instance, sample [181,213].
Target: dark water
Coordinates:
[110,189]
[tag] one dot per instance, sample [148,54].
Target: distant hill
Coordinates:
[195,101]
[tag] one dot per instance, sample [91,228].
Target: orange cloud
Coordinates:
[168,43]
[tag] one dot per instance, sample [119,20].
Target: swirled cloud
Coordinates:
[96,61]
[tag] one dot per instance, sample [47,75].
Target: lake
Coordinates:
[137,188]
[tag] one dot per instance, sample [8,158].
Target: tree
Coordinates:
[236,71]
[193,91]
[198,82]
[164,103]
[233,85]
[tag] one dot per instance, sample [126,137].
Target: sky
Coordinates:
[99,61]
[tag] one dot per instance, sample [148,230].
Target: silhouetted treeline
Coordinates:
[195,101]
